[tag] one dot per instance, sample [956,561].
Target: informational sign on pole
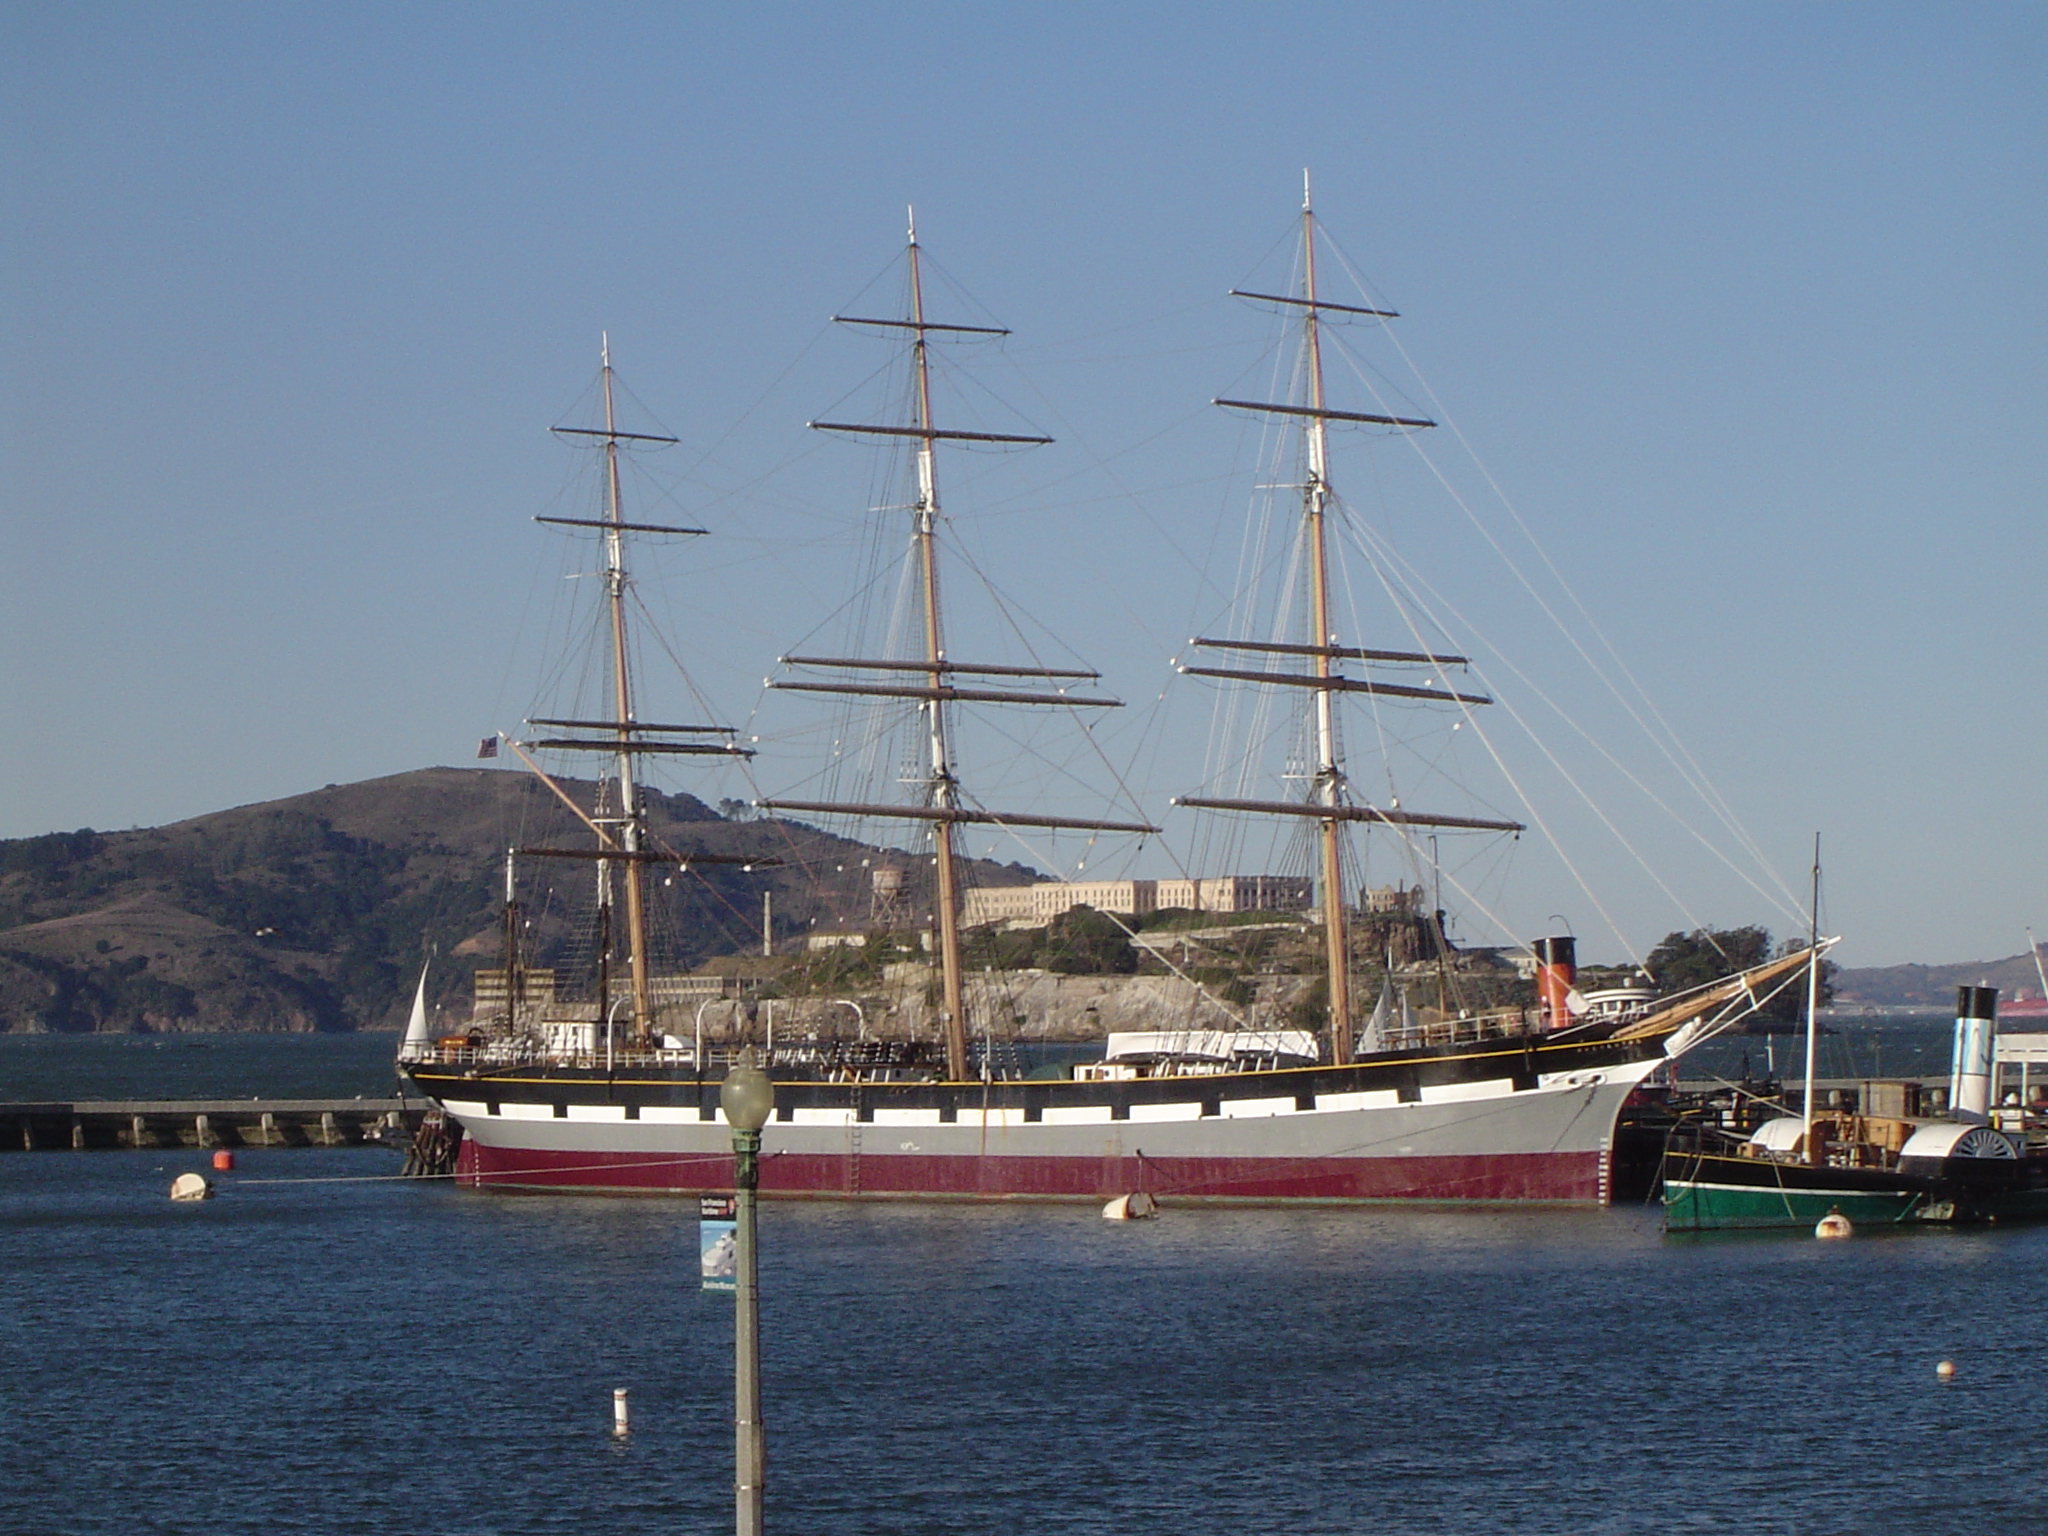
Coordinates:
[717,1247]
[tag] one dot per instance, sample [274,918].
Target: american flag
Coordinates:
[488,747]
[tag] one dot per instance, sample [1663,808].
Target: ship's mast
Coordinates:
[629,818]
[941,786]
[515,965]
[1812,1003]
[943,805]
[1329,775]
[621,832]
[1329,801]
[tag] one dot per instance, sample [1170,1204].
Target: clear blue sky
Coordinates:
[1741,304]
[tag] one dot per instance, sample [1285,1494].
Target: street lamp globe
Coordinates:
[747,1096]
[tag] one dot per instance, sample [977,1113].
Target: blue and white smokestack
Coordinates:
[1969,1077]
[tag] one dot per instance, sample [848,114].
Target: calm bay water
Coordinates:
[325,1348]
[390,1356]
[1848,1047]
[73,1067]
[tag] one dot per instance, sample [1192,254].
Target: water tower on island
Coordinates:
[886,909]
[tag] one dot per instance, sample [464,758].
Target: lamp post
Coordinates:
[748,1099]
[611,1024]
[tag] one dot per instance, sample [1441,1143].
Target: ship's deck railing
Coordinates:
[873,1061]
[873,1066]
[507,1054]
[1498,1024]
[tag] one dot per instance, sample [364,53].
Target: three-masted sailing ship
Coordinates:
[1501,1105]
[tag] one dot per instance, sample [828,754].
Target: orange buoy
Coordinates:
[223,1161]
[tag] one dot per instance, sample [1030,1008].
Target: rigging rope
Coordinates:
[1668,742]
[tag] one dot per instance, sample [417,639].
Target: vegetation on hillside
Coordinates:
[1682,961]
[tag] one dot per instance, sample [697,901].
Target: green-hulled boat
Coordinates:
[1955,1173]
[1876,1170]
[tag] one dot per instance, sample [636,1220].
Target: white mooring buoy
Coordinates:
[1834,1225]
[619,1424]
[190,1186]
[1133,1207]
[1946,1370]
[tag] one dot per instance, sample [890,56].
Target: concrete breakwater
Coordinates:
[105,1125]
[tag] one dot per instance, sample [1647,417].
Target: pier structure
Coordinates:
[105,1125]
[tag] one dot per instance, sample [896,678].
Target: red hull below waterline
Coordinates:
[1554,1177]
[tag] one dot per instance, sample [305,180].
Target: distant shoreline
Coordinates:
[1834,1013]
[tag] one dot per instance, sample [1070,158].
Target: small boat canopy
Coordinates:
[1780,1136]
[1210,1044]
